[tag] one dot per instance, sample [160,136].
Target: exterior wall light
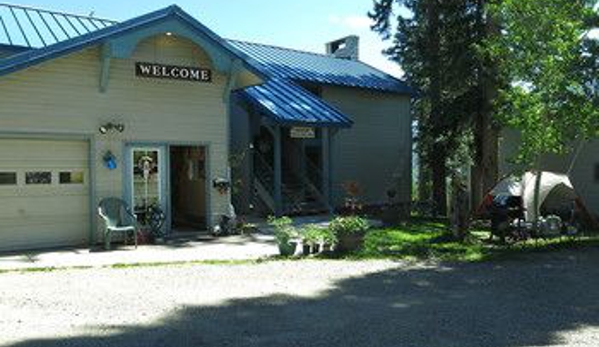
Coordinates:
[105,128]
[222,185]
[169,33]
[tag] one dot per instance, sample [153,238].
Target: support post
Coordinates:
[326,167]
[232,80]
[278,179]
[105,57]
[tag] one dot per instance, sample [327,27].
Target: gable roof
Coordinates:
[45,35]
[279,96]
[39,55]
[319,68]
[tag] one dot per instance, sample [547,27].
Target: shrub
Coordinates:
[284,229]
[348,225]
[315,235]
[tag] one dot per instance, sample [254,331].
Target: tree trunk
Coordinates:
[438,159]
[424,179]
[485,172]
[439,172]
[490,143]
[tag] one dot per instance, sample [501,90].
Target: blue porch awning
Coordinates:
[286,103]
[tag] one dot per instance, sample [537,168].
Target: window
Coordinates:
[38,177]
[71,177]
[8,178]
[596,173]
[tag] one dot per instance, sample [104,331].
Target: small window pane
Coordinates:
[8,178]
[38,177]
[74,177]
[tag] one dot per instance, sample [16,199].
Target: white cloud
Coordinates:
[354,22]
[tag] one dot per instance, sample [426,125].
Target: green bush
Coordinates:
[348,225]
[314,235]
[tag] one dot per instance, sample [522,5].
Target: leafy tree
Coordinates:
[551,63]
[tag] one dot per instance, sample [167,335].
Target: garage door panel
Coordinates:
[66,191]
[21,237]
[44,215]
[38,149]
[43,206]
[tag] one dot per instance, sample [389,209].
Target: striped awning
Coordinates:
[286,103]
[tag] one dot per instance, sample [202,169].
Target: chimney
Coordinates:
[345,48]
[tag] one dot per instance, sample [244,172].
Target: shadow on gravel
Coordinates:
[502,304]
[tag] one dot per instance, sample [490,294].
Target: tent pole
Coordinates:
[537,196]
[575,158]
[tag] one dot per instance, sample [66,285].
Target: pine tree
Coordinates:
[437,43]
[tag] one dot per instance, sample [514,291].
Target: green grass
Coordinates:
[138,265]
[185,263]
[45,269]
[424,240]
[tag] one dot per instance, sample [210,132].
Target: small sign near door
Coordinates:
[302,133]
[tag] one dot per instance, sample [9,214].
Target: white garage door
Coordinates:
[44,193]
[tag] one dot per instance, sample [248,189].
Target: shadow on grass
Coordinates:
[510,304]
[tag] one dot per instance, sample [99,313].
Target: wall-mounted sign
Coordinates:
[185,73]
[302,133]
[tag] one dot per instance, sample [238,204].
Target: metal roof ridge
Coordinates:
[282,48]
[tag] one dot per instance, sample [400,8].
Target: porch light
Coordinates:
[168,33]
[105,128]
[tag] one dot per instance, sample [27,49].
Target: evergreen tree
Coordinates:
[437,43]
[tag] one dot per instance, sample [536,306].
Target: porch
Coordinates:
[282,143]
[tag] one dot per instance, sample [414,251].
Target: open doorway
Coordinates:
[188,188]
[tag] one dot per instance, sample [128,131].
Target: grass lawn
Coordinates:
[426,240]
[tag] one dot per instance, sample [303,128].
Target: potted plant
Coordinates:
[317,239]
[285,234]
[349,232]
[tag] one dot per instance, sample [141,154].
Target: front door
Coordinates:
[147,177]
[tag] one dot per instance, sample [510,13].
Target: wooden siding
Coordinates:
[377,150]
[62,97]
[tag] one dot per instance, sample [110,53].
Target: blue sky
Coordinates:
[301,24]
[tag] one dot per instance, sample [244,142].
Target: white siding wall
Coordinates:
[62,96]
[377,150]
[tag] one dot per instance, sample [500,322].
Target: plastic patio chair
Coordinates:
[118,218]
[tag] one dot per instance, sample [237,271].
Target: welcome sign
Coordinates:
[184,73]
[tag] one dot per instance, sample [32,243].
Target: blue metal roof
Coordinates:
[289,104]
[32,27]
[39,32]
[35,56]
[319,68]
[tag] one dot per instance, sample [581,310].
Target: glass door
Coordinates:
[147,186]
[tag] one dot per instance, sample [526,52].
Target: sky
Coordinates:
[299,24]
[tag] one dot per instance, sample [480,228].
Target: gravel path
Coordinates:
[540,300]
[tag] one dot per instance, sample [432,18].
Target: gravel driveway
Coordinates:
[547,299]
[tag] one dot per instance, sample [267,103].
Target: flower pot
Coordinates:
[350,242]
[286,248]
